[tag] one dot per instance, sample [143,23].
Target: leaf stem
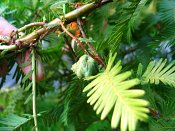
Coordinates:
[34,89]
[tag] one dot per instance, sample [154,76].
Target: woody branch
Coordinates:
[46,28]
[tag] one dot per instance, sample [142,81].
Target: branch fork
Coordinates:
[12,43]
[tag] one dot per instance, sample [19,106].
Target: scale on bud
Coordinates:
[86,66]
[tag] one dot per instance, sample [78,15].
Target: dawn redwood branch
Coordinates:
[70,48]
[30,26]
[8,47]
[81,45]
[96,55]
[76,39]
[67,18]
[85,9]
[81,28]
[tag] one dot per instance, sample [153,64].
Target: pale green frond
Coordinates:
[111,61]
[159,71]
[111,91]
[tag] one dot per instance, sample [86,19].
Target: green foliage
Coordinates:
[166,26]
[13,122]
[128,21]
[161,125]
[140,31]
[167,11]
[71,110]
[112,89]
[99,125]
[157,72]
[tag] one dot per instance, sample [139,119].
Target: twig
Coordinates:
[155,113]
[79,43]
[70,48]
[81,28]
[34,89]
[69,17]
[8,47]
[30,26]
[75,38]
[89,45]
[30,38]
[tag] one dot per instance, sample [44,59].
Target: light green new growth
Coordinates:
[111,89]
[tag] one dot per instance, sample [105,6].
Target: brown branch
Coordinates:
[69,17]
[89,45]
[75,38]
[30,26]
[81,28]
[79,43]
[70,48]
[154,112]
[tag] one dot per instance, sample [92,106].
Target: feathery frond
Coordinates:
[167,11]
[157,72]
[112,89]
[126,24]
[166,23]
[161,125]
